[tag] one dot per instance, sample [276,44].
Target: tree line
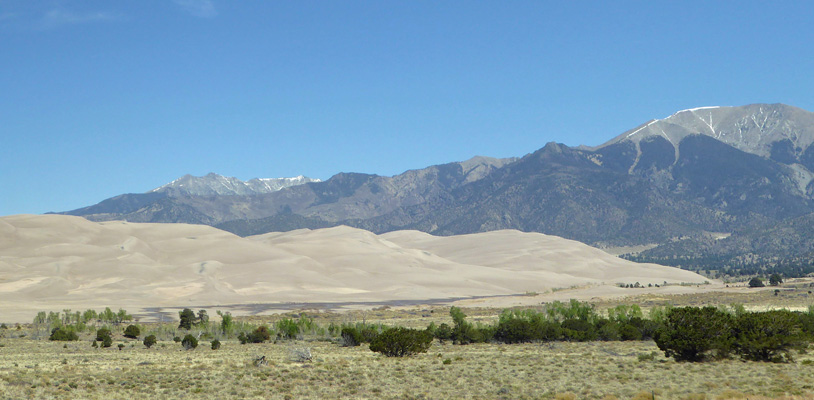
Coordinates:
[683,333]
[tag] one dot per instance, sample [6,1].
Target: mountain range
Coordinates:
[704,182]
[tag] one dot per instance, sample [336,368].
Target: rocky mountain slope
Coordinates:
[776,131]
[344,196]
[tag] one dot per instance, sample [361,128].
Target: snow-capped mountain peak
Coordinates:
[753,128]
[213,184]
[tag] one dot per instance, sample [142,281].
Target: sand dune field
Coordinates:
[55,262]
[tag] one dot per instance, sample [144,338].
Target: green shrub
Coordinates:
[579,330]
[215,344]
[176,339]
[485,333]
[624,313]
[287,328]
[807,323]
[695,334]
[351,337]
[443,332]
[101,333]
[189,342]
[227,322]
[259,335]
[149,341]
[369,332]
[515,331]
[608,330]
[756,282]
[400,342]
[334,329]
[768,336]
[646,327]
[463,332]
[630,332]
[558,311]
[132,332]
[63,334]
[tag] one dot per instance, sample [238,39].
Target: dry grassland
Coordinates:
[42,369]
[795,294]
[559,370]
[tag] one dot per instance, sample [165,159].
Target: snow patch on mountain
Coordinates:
[753,128]
[214,184]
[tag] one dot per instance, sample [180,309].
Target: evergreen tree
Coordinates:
[149,341]
[187,319]
[692,334]
[132,332]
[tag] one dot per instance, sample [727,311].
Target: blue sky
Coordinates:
[99,98]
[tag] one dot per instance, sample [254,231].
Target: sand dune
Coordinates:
[52,262]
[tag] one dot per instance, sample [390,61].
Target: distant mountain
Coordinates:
[675,182]
[591,196]
[344,196]
[159,204]
[217,185]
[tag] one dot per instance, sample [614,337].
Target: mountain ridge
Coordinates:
[664,181]
[213,184]
[328,200]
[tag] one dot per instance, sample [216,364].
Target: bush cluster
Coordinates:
[574,321]
[259,335]
[63,334]
[351,337]
[149,341]
[103,335]
[697,334]
[189,342]
[400,342]
[287,328]
[132,332]
[354,335]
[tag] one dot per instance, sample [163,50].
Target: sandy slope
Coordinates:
[52,262]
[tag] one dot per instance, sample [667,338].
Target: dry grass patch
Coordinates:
[596,370]
[557,370]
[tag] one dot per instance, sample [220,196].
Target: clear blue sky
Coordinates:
[99,98]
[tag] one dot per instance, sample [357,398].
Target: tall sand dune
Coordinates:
[53,262]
